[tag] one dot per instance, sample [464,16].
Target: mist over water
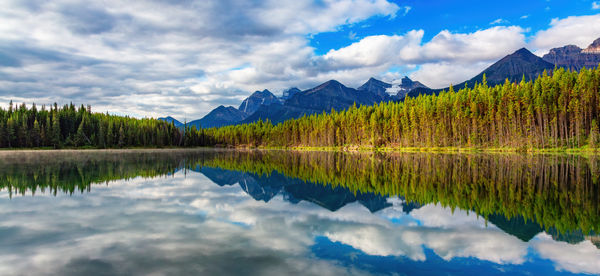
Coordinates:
[222,212]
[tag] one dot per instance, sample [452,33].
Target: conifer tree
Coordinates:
[56,136]
[36,134]
[594,135]
[121,142]
[10,131]
[80,138]
[100,136]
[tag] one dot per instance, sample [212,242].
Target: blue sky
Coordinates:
[184,58]
[455,16]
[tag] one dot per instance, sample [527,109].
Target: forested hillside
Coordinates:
[558,110]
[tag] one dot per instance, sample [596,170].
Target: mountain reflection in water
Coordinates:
[157,211]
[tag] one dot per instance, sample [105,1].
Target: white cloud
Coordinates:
[442,74]
[448,235]
[577,30]
[407,9]
[375,50]
[583,257]
[483,45]
[155,58]
[595,5]
[137,57]
[352,35]
[499,21]
[447,58]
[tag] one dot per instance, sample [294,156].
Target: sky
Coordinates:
[183,57]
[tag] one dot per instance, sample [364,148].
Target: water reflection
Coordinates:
[297,213]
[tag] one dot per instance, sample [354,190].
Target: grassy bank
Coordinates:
[580,150]
[586,150]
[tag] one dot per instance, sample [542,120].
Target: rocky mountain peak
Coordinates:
[594,48]
[406,81]
[377,88]
[565,50]
[290,92]
[258,98]
[403,87]
[573,57]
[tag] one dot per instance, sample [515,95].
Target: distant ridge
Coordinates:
[331,94]
[575,58]
[322,98]
[171,120]
[258,98]
[513,67]
[218,117]
[377,87]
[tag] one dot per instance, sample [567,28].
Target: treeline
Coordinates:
[69,126]
[557,110]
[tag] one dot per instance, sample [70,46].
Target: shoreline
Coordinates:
[581,150]
[520,150]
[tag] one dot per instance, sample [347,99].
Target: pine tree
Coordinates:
[55,135]
[80,138]
[48,131]
[121,137]
[3,142]
[36,134]
[594,135]
[23,135]
[10,132]
[110,134]
[100,136]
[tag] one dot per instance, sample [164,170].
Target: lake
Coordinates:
[228,212]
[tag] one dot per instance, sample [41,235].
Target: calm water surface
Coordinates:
[278,213]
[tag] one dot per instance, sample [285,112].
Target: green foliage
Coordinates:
[79,127]
[594,135]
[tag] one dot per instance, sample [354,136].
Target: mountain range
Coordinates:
[514,67]
[295,103]
[170,119]
[575,58]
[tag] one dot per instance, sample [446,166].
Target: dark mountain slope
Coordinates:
[376,87]
[575,58]
[277,113]
[322,98]
[258,98]
[512,67]
[171,120]
[290,92]
[220,116]
[331,94]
